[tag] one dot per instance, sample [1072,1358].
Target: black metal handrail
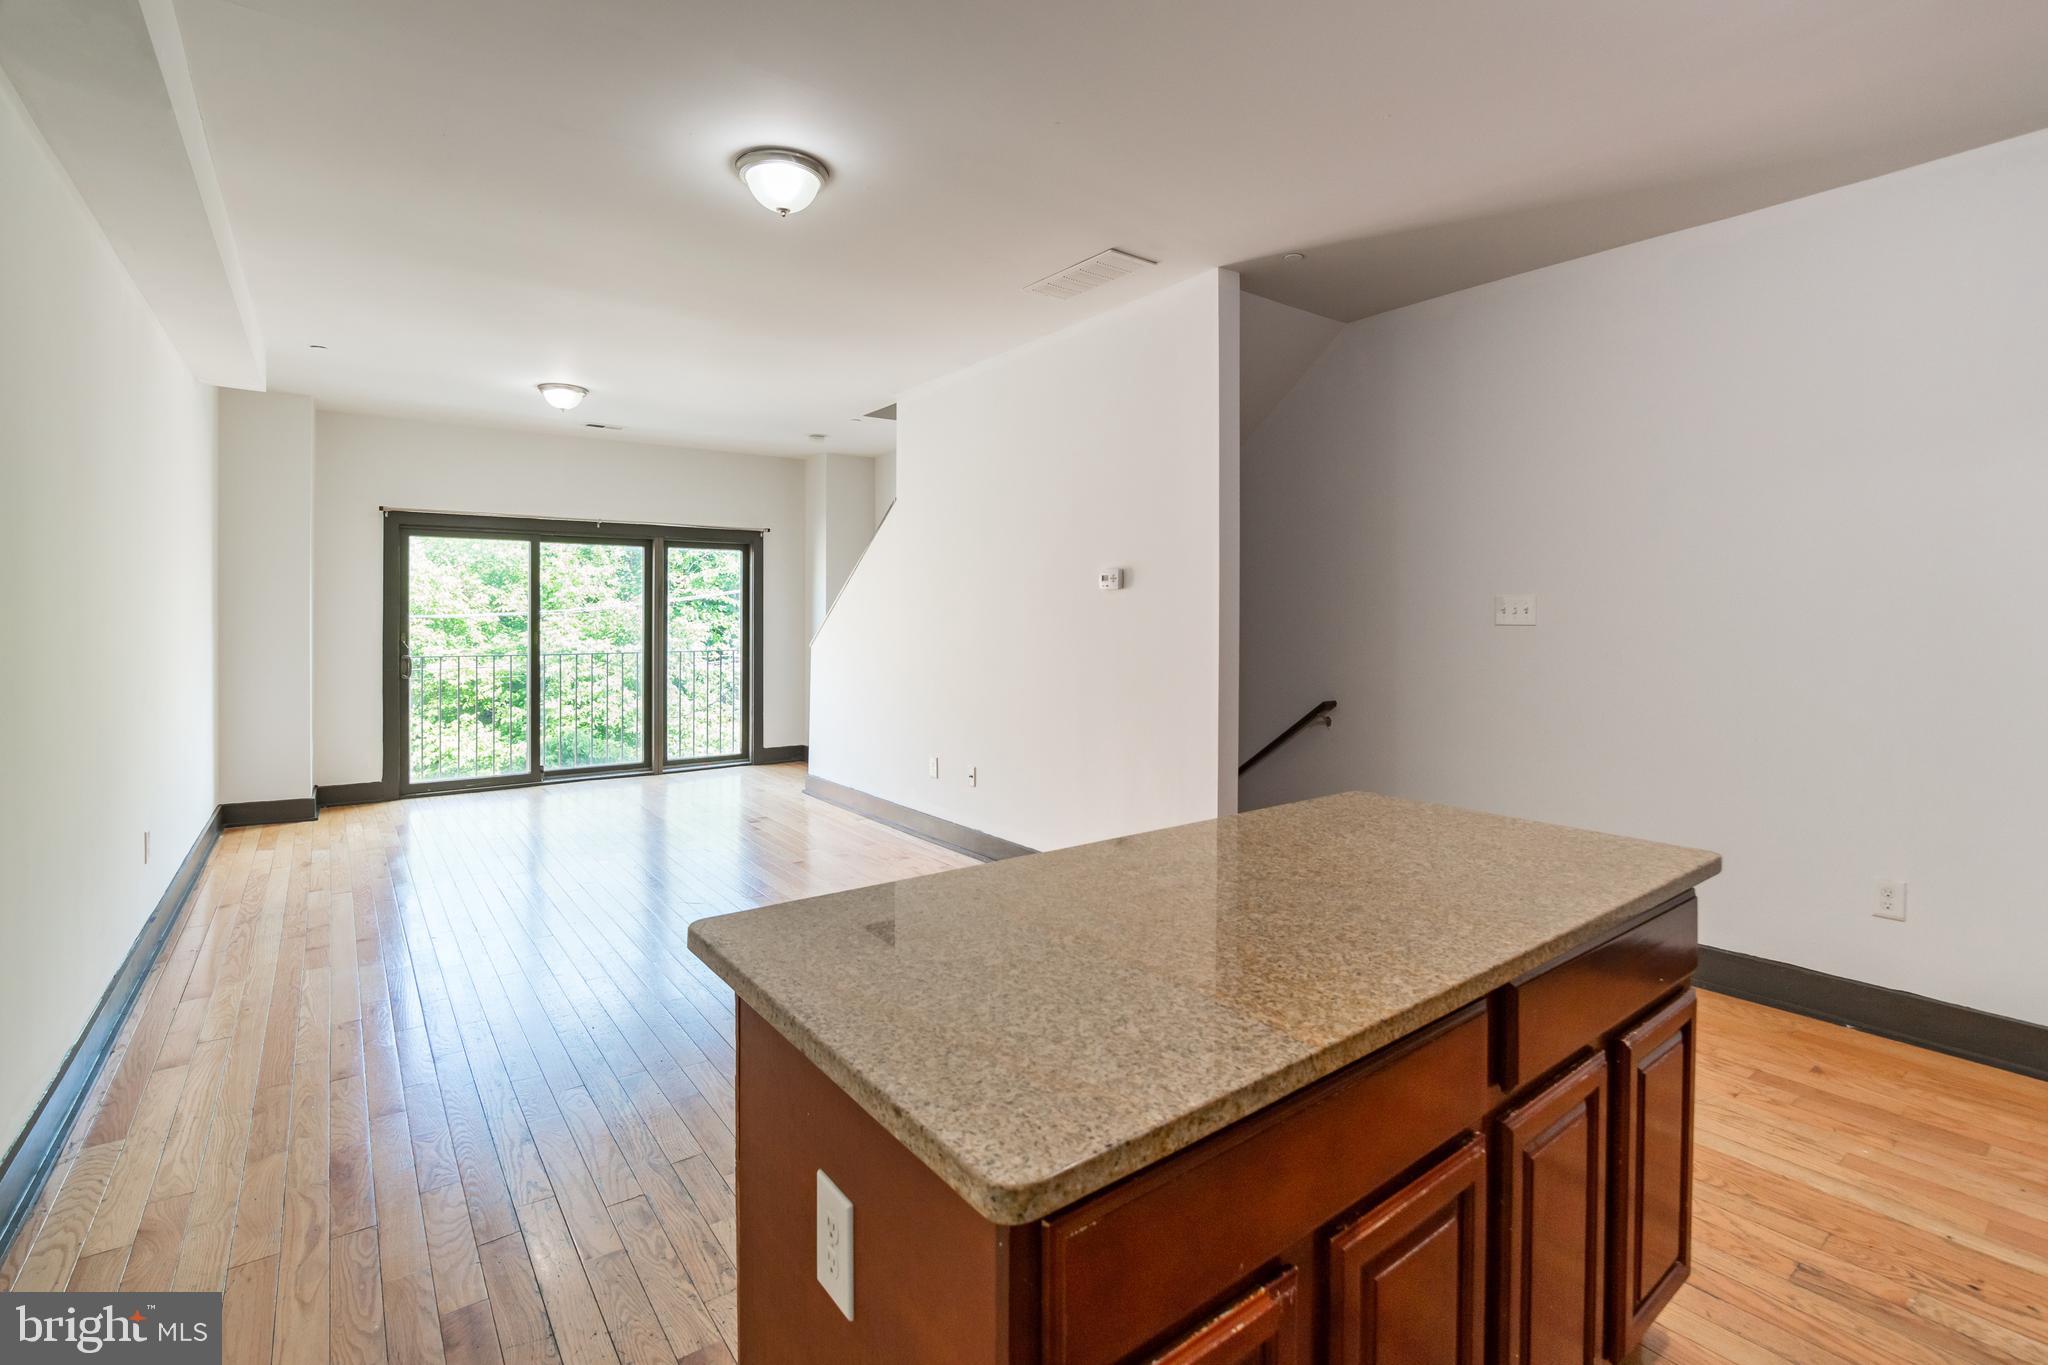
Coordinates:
[1319,712]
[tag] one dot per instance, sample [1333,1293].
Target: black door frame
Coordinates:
[399,525]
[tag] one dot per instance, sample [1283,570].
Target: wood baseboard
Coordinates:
[973,842]
[36,1149]
[235,814]
[350,794]
[784,753]
[1993,1039]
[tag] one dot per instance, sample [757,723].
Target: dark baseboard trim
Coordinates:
[784,753]
[959,838]
[235,814]
[35,1152]
[2011,1044]
[350,794]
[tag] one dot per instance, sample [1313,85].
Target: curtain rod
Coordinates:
[580,521]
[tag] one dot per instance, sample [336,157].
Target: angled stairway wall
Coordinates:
[974,631]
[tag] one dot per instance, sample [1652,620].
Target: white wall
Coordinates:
[1778,484]
[107,505]
[849,517]
[817,554]
[839,516]
[974,630]
[1278,344]
[885,484]
[364,462]
[266,596]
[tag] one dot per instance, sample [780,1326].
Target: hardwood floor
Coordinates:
[1859,1200]
[439,1081]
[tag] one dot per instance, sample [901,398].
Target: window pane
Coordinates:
[467,623]
[706,652]
[592,642]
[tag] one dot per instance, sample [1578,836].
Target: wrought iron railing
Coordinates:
[706,703]
[468,713]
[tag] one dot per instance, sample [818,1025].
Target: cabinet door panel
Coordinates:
[1262,1328]
[1652,1227]
[1124,1267]
[1407,1279]
[1550,1186]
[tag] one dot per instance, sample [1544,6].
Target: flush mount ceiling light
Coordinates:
[784,180]
[563,396]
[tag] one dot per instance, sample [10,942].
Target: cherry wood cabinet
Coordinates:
[1262,1328]
[1133,1265]
[1652,1184]
[1507,1185]
[1551,1183]
[1408,1278]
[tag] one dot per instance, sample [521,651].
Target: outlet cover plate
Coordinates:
[1891,901]
[835,1244]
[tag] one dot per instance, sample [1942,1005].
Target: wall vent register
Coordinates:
[1092,273]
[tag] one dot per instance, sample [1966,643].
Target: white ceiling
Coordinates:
[461,198]
[108,86]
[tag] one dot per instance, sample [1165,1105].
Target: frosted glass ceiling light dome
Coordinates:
[563,396]
[781,179]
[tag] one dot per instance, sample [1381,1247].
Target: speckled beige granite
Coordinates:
[1037,1028]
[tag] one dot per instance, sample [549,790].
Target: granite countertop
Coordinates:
[1037,1028]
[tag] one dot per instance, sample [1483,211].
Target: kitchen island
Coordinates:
[1354,1079]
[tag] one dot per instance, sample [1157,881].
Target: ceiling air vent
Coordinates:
[1083,276]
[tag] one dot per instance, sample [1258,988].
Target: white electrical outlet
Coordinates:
[1891,900]
[835,1244]
[931,765]
[1514,608]
[973,778]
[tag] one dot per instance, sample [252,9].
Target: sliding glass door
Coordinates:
[526,650]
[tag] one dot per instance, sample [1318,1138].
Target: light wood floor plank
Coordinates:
[514,1295]
[54,1254]
[579,1330]
[356,1299]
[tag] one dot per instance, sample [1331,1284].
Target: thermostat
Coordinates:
[1109,580]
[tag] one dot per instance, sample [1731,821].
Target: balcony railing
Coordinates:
[468,712]
[705,703]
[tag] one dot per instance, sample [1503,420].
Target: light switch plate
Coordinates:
[835,1244]
[1514,608]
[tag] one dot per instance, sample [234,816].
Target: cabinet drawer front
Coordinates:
[1408,1278]
[1563,1008]
[1262,1328]
[1124,1267]
[1652,1222]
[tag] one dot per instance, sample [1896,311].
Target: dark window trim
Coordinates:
[657,539]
